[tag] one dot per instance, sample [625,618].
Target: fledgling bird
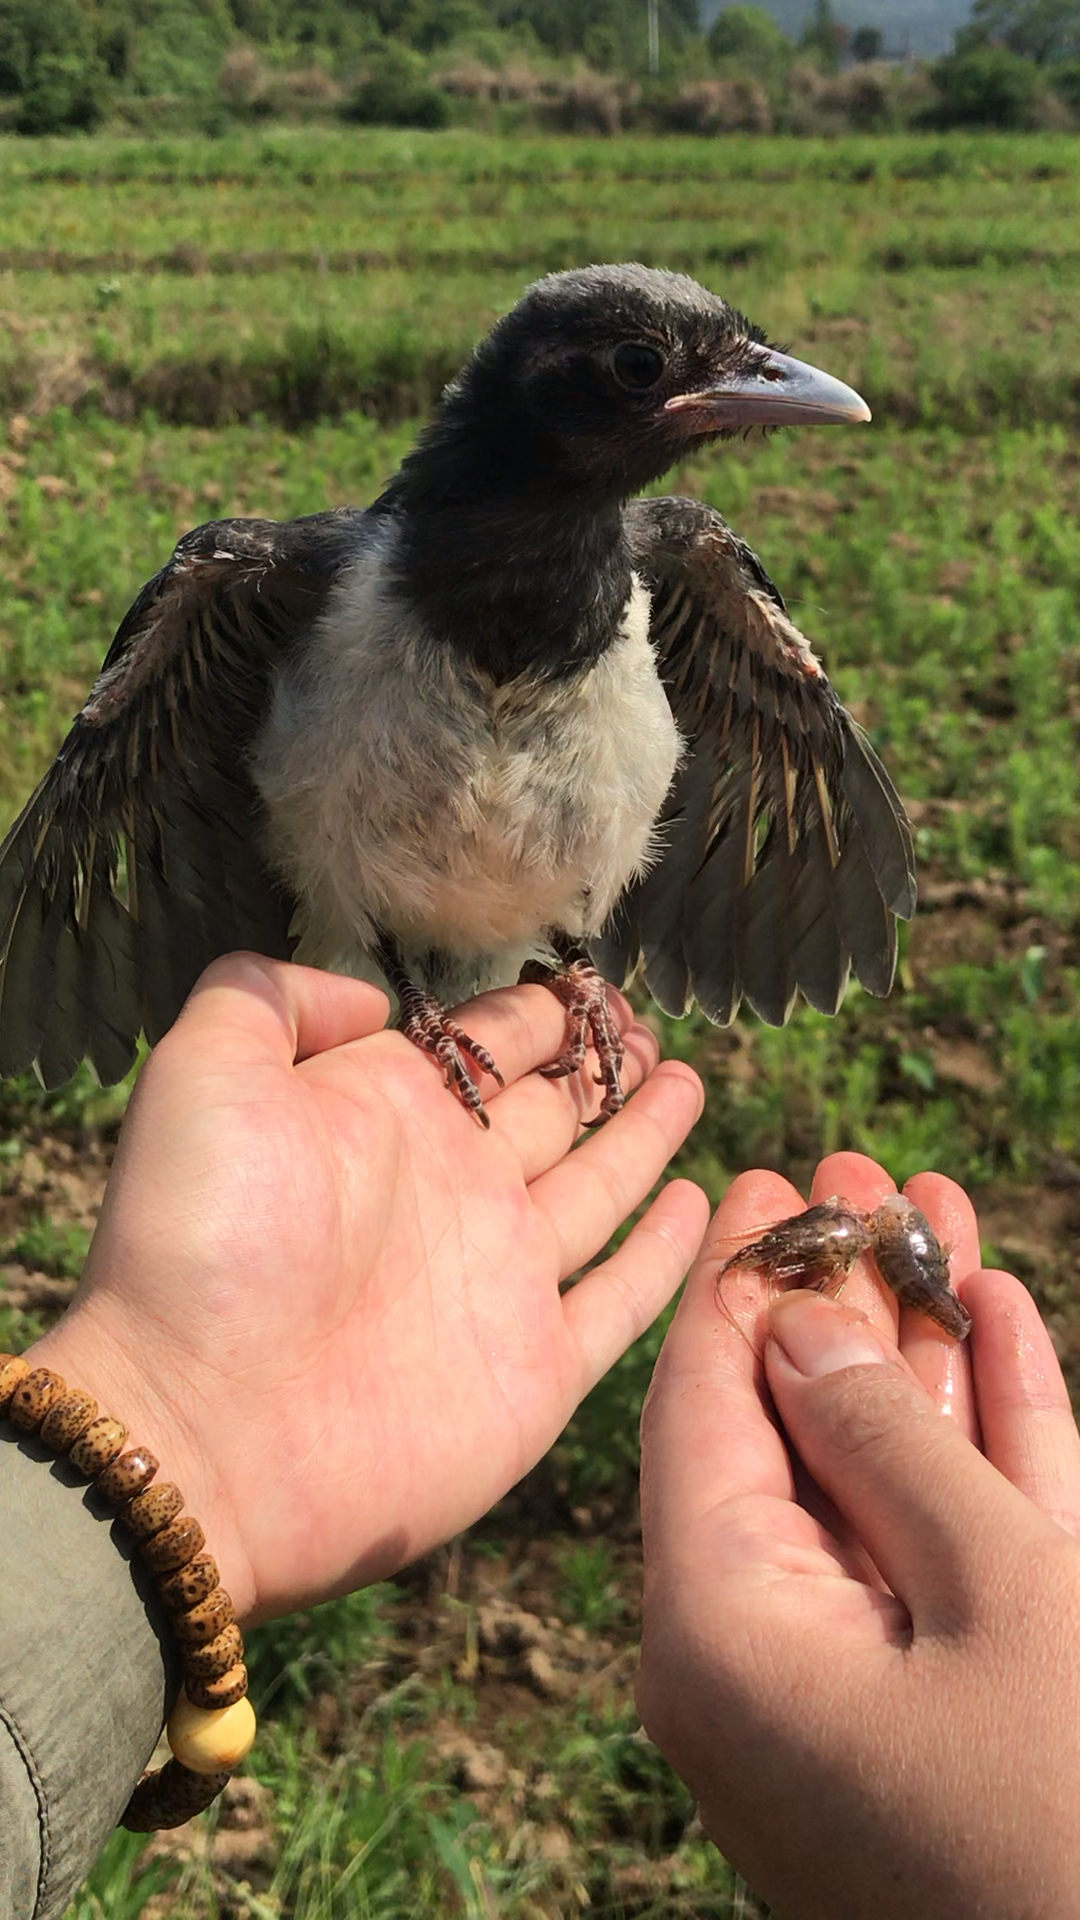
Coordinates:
[506,715]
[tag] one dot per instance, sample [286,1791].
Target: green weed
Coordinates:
[295,1657]
[589,1591]
[47,1247]
[122,1882]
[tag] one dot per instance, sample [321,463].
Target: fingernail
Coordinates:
[820,1336]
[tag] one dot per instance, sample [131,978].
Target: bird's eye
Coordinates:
[637,366]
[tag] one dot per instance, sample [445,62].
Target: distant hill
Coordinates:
[920,27]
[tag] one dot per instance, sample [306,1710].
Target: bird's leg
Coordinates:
[583,992]
[425,1022]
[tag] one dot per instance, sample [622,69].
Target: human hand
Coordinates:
[862,1634]
[330,1303]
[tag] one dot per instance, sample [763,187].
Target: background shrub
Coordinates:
[721,106]
[396,93]
[66,95]
[986,87]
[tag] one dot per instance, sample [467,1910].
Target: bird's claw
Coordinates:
[429,1027]
[583,992]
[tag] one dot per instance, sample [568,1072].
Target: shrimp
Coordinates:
[819,1247]
[912,1261]
[816,1247]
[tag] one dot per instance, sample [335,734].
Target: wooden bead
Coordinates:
[152,1509]
[33,1396]
[69,1416]
[209,1742]
[101,1443]
[174,1546]
[13,1368]
[127,1475]
[216,1658]
[213,1725]
[206,1621]
[170,1797]
[188,1585]
[223,1692]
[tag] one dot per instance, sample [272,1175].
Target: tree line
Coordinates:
[580,64]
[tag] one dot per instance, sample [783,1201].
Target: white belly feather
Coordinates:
[459,814]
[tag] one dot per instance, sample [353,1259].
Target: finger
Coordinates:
[706,1435]
[943,1364]
[1025,1417]
[612,1306]
[853,1177]
[248,1010]
[524,1027]
[541,1118]
[593,1191]
[859,1181]
[934,1516]
[952,1217]
[753,1203]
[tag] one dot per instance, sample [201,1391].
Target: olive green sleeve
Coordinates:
[84,1686]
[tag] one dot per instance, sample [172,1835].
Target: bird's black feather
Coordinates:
[139,858]
[785,853]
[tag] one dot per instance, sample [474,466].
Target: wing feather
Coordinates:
[786,857]
[885,835]
[139,858]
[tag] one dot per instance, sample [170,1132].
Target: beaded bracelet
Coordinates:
[212,1726]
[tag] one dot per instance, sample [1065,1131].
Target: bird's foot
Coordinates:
[429,1027]
[583,992]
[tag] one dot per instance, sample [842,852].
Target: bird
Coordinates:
[511,720]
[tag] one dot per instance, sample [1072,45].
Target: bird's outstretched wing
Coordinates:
[138,861]
[785,853]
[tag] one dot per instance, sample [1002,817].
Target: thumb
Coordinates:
[936,1518]
[249,1011]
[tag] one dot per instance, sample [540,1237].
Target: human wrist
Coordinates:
[138,1381]
[212,1726]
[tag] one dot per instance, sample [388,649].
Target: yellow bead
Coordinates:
[211,1740]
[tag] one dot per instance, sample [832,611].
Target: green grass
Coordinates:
[590,1594]
[181,285]
[256,324]
[585,1818]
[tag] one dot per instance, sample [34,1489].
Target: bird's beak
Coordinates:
[780,392]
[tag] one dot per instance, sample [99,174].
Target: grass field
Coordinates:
[255,325]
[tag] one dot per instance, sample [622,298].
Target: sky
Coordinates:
[920,27]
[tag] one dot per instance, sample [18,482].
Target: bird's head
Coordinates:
[606,376]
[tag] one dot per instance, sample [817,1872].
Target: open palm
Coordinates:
[747,1484]
[331,1302]
[862,1579]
